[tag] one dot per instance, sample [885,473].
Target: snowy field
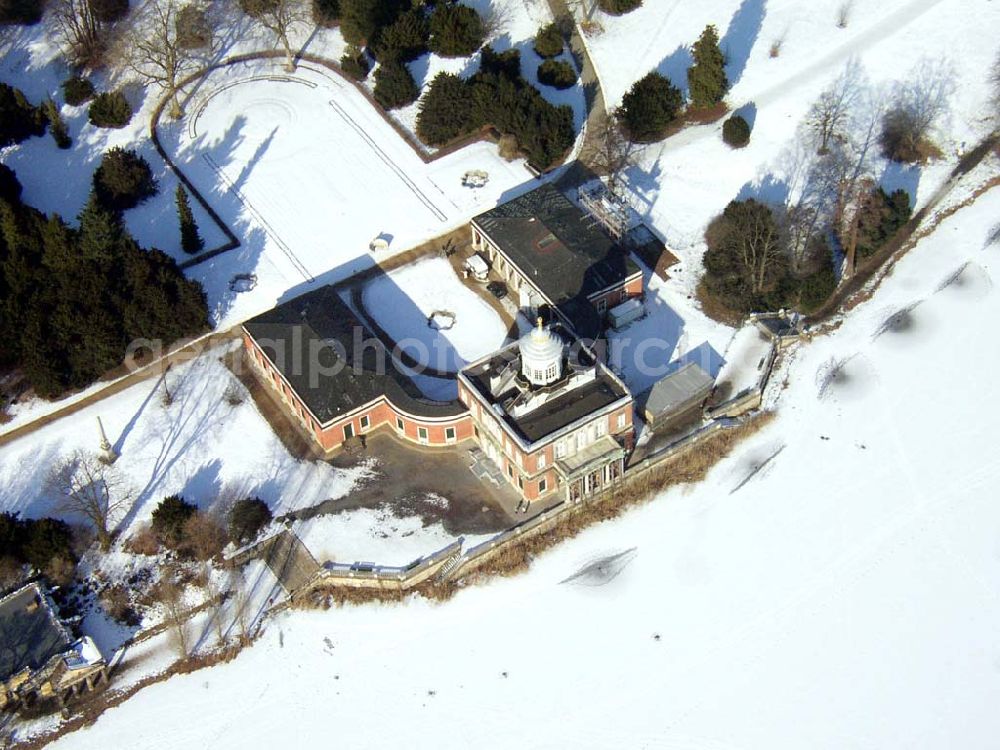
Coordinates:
[682,182]
[842,597]
[403,301]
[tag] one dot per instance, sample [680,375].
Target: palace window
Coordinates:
[542,486]
[449,434]
[365,422]
[541,461]
[422,434]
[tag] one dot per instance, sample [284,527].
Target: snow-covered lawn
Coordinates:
[308,174]
[403,301]
[842,597]
[199,446]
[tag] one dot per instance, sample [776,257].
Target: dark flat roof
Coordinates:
[29,631]
[561,411]
[558,245]
[342,375]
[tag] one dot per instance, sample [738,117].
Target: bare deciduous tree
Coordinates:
[280,17]
[90,488]
[610,152]
[155,48]
[241,604]
[995,81]
[79,30]
[170,594]
[831,113]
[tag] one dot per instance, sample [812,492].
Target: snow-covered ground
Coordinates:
[212,454]
[403,301]
[308,174]
[843,596]
[682,182]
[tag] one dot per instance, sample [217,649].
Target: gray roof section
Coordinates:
[559,246]
[678,391]
[562,410]
[30,631]
[311,341]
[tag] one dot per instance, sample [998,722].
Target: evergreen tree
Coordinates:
[736,132]
[10,187]
[191,240]
[19,119]
[394,86]
[649,107]
[360,20]
[404,40]
[707,82]
[618,7]
[556,73]
[446,110]
[123,180]
[326,13]
[456,30]
[548,41]
[101,228]
[57,126]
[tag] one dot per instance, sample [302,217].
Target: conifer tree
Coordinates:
[191,240]
[57,126]
[707,80]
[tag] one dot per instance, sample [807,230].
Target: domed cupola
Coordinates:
[541,355]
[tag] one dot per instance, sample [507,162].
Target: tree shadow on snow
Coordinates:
[740,37]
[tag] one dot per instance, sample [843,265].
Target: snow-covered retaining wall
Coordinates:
[384,577]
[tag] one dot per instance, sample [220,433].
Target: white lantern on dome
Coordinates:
[541,355]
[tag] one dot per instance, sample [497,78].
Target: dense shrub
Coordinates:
[109,11]
[456,30]
[326,13]
[549,41]
[77,90]
[24,12]
[736,132]
[246,519]
[618,7]
[499,96]
[355,64]
[649,107]
[404,40]
[556,73]
[19,119]
[446,110]
[123,180]
[193,28]
[394,86]
[903,137]
[169,518]
[707,82]
[203,537]
[10,187]
[110,109]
